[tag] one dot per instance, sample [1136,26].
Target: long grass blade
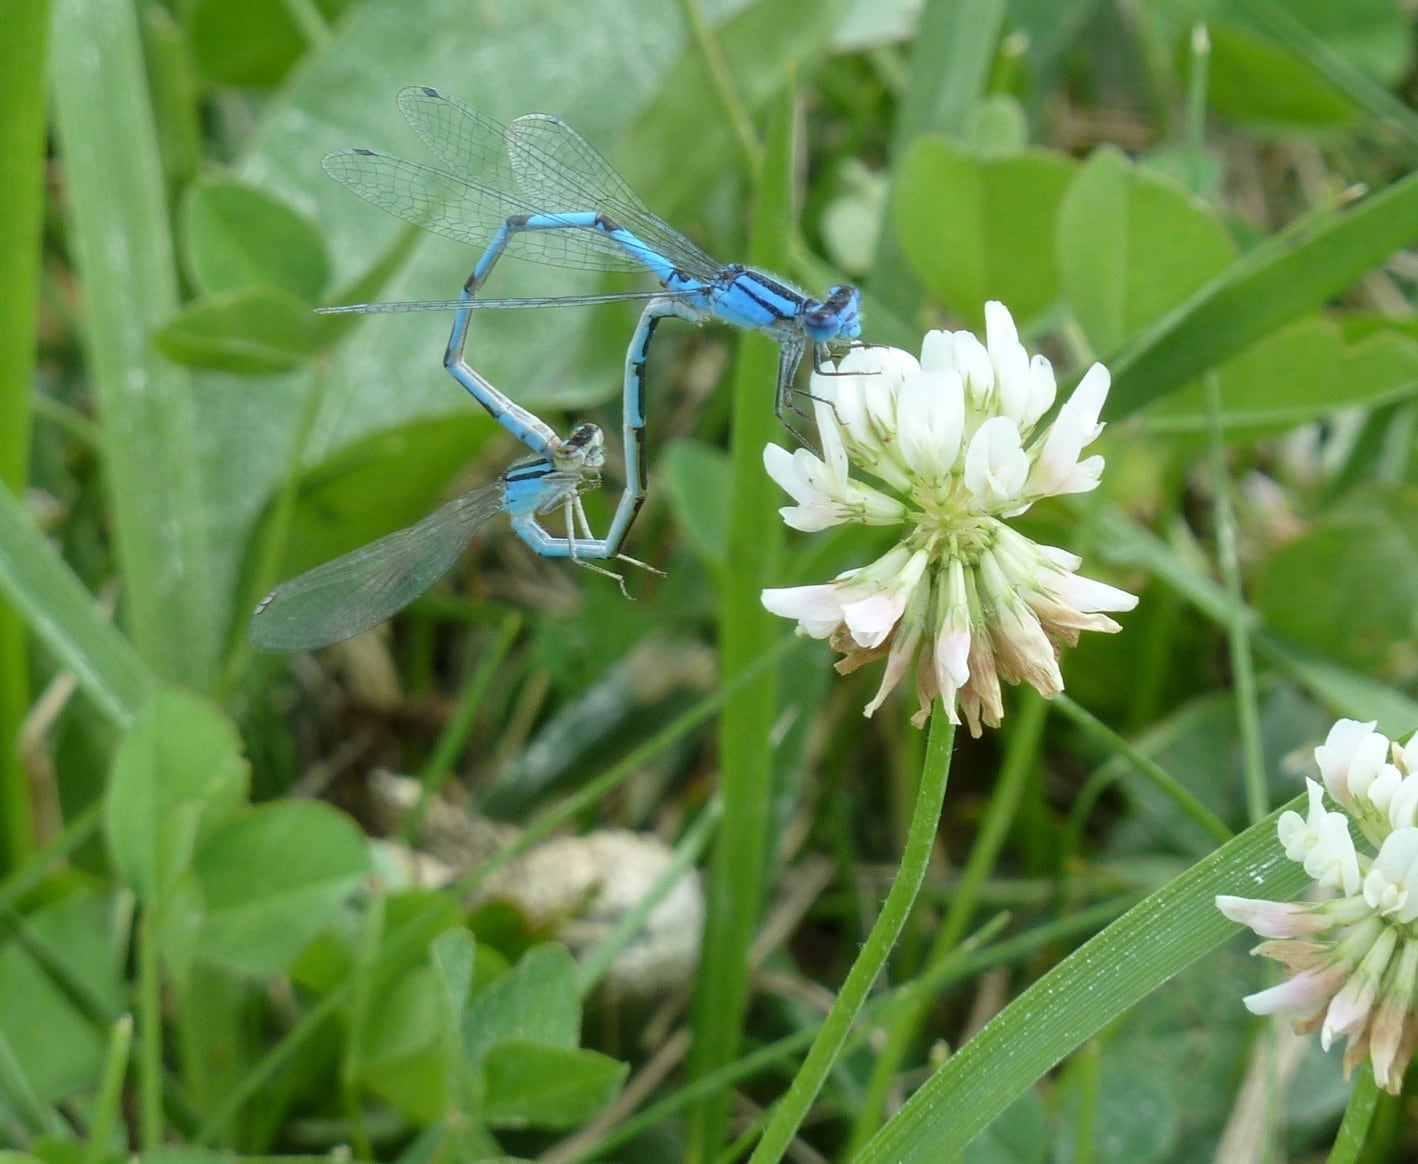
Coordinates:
[123,248]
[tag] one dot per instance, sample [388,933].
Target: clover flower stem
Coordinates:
[1358,1117]
[1020,760]
[149,1073]
[920,840]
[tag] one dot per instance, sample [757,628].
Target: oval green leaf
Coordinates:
[239,236]
[255,331]
[1131,246]
[1347,588]
[976,228]
[534,1085]
[177,775]
[271,879]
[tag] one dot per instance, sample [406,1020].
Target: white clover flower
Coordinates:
[1352,960]
[962,599]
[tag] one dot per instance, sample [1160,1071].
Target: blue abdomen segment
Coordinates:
[575,220]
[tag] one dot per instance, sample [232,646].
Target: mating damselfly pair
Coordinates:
[535,190]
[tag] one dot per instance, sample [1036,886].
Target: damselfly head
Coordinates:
[584,449]
[839,316]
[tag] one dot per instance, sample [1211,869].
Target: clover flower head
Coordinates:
[963,600]
[1351,960]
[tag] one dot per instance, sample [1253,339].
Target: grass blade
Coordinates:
[741,849]
[123,248]
[1145,947]
[1275,283]
[23,24]
[62,615]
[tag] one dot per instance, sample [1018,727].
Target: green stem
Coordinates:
[1084,1071]
[1187,802]
[1020,760]
[1358,1119]
[19,883]
[110,1091]
[920,840]
[951,61]
[351,1062]
[970,959]
[23,24]
[1238,631]
[311,21]
[1196,109]
[742,854]
[276,532]
[150,1121]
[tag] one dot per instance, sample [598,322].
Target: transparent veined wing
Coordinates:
[550,166]
[363,588]
[549,157]
[468,212]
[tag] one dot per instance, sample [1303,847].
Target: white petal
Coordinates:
[782,469]
[930,416]
[938,352]
[1299,834]
[872,618]
[1042,390]
[818,609]
[1407,757]
[1391,887]
[1348,1013]
[1350,744]
[1087,400]
[1090,596]
[1013,386]
[1057,469]
[1064,559]
[849,407]
[811,518]
[1385,784]
[834,455]
[878,360]
[996,466]
[1274,919]
[1000,331]
[1295,836]
[898,659]
[873,507]
[1305,994]
[1403,808]
[1333,862]
[952,658]
[975,369]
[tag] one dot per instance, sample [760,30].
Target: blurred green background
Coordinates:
[1211,196]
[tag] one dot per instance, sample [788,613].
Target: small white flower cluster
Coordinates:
[962,596]
[1352,960]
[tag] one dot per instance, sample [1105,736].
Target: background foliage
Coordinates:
[203,957]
